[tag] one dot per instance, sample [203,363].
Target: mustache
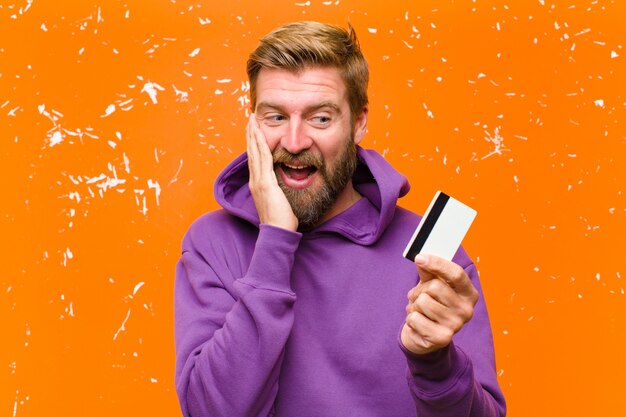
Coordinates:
[282,156]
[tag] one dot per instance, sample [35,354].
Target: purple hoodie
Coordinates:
[271,322]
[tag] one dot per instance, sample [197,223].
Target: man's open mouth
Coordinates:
[298,172]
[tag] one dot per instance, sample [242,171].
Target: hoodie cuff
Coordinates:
[436,372]
[273,258]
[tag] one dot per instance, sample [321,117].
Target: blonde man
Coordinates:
[292,299]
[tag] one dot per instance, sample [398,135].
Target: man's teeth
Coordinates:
[295,167]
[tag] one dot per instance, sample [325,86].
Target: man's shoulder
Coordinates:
[405,216]
[212,219]
[218,225]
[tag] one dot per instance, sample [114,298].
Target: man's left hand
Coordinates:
[439,306]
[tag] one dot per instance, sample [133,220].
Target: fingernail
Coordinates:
[421,259]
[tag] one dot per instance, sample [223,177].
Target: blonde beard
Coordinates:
[310,205]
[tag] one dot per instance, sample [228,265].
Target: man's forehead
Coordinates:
[321,81]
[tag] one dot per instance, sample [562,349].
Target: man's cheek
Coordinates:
[272,137]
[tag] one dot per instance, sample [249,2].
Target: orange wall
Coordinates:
[516,109]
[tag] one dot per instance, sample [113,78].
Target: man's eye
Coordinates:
[321,120]
[274,119]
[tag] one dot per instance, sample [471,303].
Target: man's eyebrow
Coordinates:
[325,104]
[265,105]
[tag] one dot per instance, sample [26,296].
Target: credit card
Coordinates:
[442,229]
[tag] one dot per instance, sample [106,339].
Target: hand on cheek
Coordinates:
[269,200]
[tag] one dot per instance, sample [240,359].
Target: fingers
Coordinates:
[422,335]
[270,201]
[439,305]
[437,289]
[265,154]
[452,316]
[431,266]
[430,325]
[259,155]
[456,306]
[263,151]
[252,149]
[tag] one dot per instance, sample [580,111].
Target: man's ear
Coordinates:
[360,125]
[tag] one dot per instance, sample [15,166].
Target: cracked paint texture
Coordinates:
[116,117]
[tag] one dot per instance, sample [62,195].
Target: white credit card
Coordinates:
[442,229]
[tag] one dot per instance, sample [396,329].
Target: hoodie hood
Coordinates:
[363,223]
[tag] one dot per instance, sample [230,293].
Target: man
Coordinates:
[292,299]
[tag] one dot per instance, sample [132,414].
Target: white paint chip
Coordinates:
[126,163]
[56,138]
[137,287]
[110,109]
[122,327]
[157,188]
[151,88]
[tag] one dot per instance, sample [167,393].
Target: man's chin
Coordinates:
[308,204]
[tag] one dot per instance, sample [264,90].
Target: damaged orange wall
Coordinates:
[116,116]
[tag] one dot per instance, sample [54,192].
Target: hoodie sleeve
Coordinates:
[230,333]
[459,380]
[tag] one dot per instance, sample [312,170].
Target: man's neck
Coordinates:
[344,201]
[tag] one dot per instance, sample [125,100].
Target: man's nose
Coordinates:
[296,139]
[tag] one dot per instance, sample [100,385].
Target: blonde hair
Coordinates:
[296,46]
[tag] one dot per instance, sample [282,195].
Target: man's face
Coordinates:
[306,120]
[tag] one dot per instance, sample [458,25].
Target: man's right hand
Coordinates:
[269,199]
